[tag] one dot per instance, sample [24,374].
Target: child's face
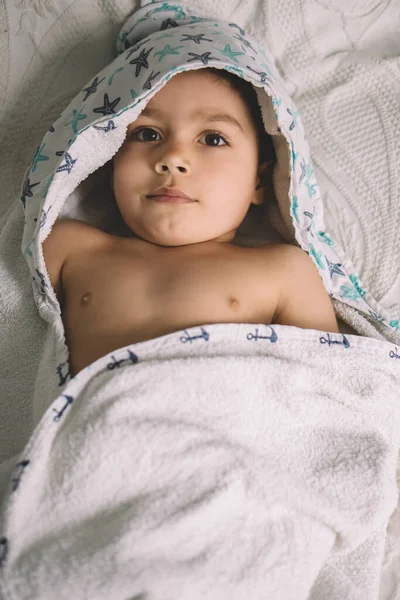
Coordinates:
[213,161]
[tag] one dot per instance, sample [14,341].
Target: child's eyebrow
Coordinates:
[198,115]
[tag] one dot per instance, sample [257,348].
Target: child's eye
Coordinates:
[146,134]
[214,138]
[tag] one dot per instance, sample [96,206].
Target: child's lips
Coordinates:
[171,199]
[170,195]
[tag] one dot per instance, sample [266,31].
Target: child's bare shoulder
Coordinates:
[303,299]
[66,238]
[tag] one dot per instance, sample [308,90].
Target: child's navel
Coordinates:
[233,303]
[86,299]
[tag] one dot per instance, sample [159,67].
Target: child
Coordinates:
[190,167]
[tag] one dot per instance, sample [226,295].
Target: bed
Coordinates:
[340,63]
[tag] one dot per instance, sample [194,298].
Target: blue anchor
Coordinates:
[20,467]
[115,364]
[329,341]
[203,335]
[256,337]
[132,357]
[394,354]
[3,550]
[63,378]
[59,414]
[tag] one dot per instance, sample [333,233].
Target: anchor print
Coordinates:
[69,400]
[20,467]
[330,341]
[203,335]
[273,337]
[117,363]
[63,378]
[3,550]
[393,354]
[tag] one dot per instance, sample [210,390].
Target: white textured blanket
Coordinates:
[222,462]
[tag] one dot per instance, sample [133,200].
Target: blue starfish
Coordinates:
[167,50]
[334,268]
[295,207]
[27,191]
[147,83]
[76,117]
[242,31]
[38,157]
[317,256]
[230,53]
[195,38]
[135,48]
[303,171]
[141,61]
[168,7]
[69,163]
[108,107]
[92,88]
[168,23]
[351,293]
[245,42]
[205,57]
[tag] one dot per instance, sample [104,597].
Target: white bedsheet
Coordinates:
[340,60]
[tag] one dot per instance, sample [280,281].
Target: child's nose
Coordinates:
[172,162]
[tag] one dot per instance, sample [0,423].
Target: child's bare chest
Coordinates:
[121,297]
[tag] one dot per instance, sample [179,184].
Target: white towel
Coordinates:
[226,461]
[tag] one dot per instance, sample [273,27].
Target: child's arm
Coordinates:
[303,299]
[55,251]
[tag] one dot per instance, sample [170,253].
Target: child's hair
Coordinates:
[248,93]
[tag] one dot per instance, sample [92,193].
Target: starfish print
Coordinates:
[351,293]
[354,281]
[28,247]
[42,285]
[166,7]
[38,157]
[168,23]
[43,217]
[141,61]
[27,191]
[195,38]
[135,48]
[76,117]
[295,208]
[69,163]
[110,127]
[92,88]
[147,84]
[334,268]
[245,42]
[317,256]
[167,50]
[293,153]
[242,31]
[108,107]
[303,171]
[230,53]
[205,57]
